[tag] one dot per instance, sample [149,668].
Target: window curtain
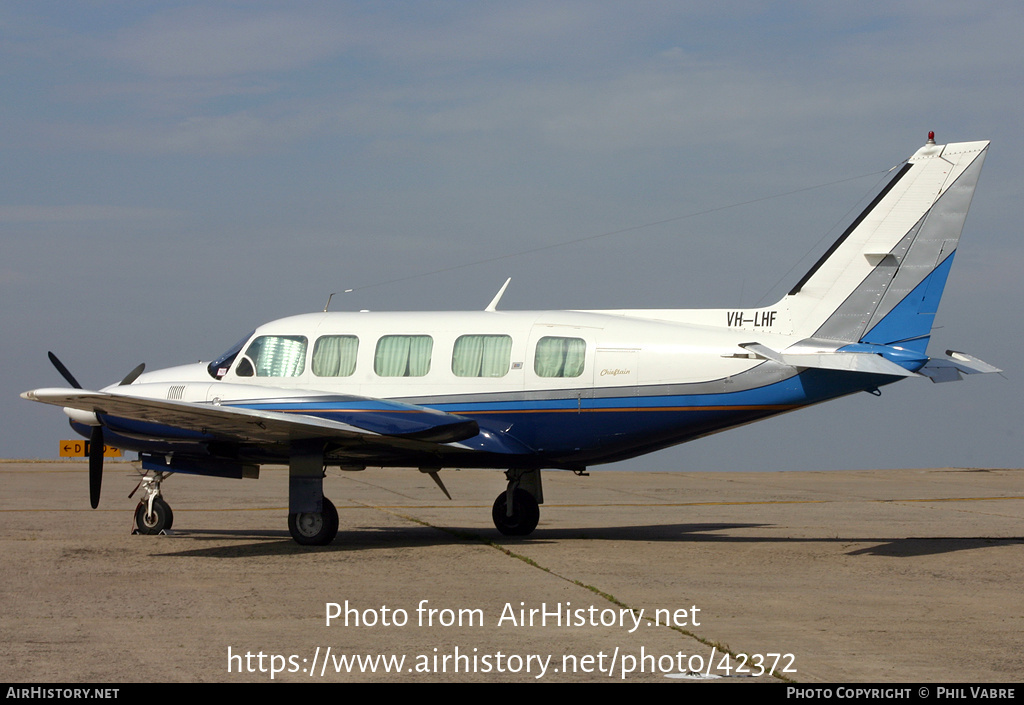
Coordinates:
[482,356]
[560,357]
[403,355]
[575,356]
[335,356]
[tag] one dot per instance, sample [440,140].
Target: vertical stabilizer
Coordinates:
[881,281]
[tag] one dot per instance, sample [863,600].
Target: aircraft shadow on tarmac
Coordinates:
[278,542]
[926,546]
[267,542]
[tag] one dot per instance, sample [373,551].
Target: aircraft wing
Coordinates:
[254,425]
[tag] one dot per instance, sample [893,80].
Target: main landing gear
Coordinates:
[516,511]
[153,515]
[314,528]
[312,518]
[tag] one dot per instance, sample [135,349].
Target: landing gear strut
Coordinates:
[153,515]
[516,511]
[314,528]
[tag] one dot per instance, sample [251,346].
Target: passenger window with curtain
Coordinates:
[560,357]
[482,356]
[403,355]
[335,355]
[274,356]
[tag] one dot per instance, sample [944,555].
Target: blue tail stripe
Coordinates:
[910,322]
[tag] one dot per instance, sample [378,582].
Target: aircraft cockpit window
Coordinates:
[482,356]
[220,366]
[403,355]
[244,367]
[560,357]
[276,356]
[335,355]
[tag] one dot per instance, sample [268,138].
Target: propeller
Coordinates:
[95,465]
[133,375]
[64,371]
[96,437]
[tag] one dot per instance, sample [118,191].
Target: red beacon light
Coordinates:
[931,137]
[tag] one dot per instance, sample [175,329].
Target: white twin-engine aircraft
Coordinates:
[524,391]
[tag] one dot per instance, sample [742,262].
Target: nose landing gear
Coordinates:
[153,515]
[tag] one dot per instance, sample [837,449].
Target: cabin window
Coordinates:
[335,356]
[274,356]
[560,357]
[403,355]
[482,356]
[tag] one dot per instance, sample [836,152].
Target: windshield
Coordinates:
[274,356]
[219,367]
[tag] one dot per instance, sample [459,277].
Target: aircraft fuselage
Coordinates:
[574,388]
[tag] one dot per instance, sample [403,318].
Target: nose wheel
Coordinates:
[153,520]
[153,515]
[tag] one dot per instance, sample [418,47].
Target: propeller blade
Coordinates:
[95,465]
[64,371]
[96,437]
[133,375]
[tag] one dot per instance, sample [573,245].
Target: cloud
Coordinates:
[214,43]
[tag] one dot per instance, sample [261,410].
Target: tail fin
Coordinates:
[881,281]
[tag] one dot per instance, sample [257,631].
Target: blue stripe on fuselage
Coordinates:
[577,430]
[573,424]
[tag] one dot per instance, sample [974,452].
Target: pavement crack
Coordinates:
[479,538]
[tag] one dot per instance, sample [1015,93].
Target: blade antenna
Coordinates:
[493,306]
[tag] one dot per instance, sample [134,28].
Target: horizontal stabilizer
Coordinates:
[869,363]
[949,369]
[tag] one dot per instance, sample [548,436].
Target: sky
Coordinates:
[175,174]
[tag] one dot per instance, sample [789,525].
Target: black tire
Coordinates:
[314,528]
[161,519]
[525,514]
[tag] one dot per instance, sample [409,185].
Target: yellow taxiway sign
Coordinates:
[80,449]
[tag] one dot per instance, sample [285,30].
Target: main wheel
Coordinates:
[160,520]
[525,514]
[314,528]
